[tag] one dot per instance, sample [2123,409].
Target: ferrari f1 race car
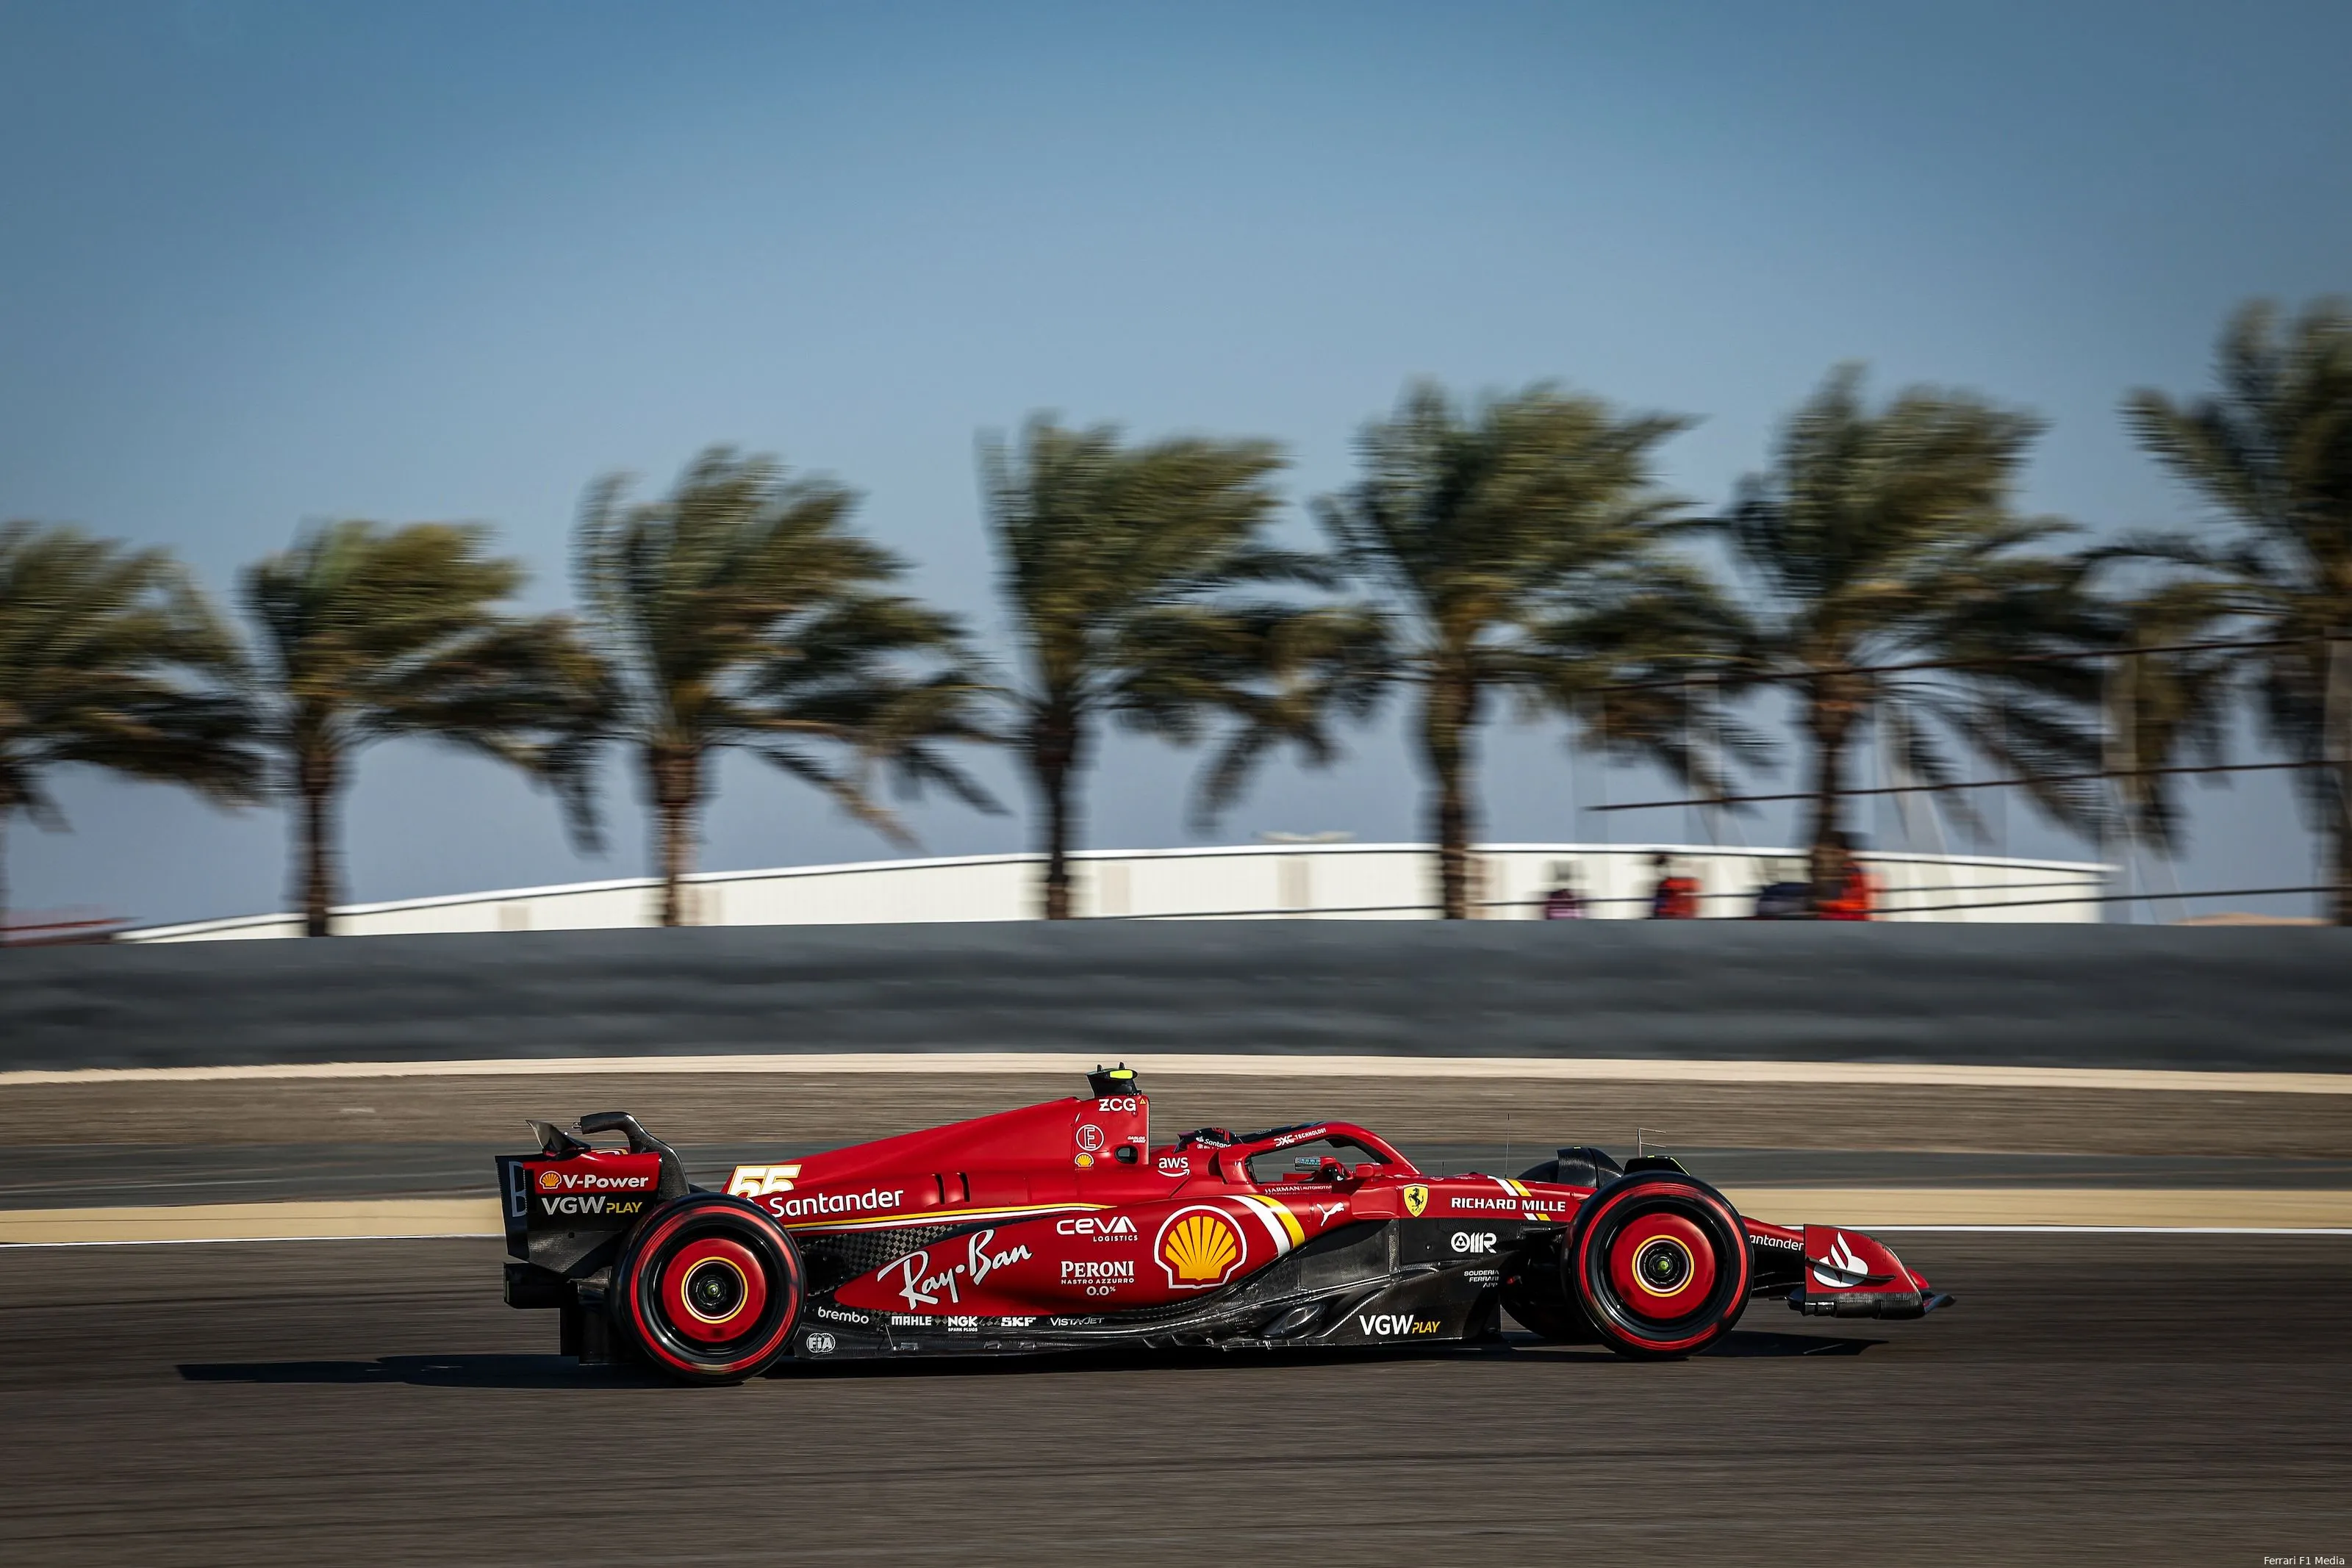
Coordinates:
[1061,1226]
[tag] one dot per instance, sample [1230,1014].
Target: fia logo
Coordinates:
[819,1343]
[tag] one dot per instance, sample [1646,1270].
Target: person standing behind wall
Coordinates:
[1563,902]
[1847,892]
[1675,897]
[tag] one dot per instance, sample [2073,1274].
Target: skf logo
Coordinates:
[1474,1241]
[759,1181]
[1199,1249]
[1416,1199]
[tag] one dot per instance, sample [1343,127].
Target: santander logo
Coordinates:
[1842,1268]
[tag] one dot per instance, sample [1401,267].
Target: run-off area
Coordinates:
[2133,1399]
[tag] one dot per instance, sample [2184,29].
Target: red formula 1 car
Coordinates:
[1061,1226]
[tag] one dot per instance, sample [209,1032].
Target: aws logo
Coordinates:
[1199,1249]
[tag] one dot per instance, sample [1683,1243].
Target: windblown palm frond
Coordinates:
[742,610]
[2272,456]
[370,634]
[1889,537]
[1127,572]
[110,658]
[1518,549]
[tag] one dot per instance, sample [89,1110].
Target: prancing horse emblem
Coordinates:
[1416,1199]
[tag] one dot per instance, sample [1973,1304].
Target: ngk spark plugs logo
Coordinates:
[1199,1248]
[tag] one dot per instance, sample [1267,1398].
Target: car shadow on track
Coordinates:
[562,1372]
[431,1372]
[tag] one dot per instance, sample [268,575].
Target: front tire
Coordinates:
[1658,1261]
[709,1288]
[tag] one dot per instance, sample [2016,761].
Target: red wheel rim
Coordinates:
[713,1289]
[1663,1267]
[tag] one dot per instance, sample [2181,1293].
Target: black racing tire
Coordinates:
[1537,1304]
[1659,1263]
[1531,1293]
[709,1289]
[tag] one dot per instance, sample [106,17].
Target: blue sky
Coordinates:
[269,263]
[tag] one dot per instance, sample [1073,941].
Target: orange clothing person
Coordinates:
[1856,893]
[1675,897]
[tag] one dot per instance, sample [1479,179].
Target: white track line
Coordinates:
[1522,1069]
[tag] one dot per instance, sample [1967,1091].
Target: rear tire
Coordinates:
[709,1289]
[1658,1261]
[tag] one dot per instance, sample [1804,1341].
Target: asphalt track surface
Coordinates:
[2118,1399]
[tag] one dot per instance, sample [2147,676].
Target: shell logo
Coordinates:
[1200,1249]
[549,1180]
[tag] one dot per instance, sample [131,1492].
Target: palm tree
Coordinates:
[1889,537]
[1518,549]
[110,658]
[1120,566]
[370,634]
[742,611]
[2271,455]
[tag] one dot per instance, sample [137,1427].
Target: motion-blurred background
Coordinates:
[273,268]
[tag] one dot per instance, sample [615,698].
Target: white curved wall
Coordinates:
[1320,882]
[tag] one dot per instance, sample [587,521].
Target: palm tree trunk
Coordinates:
[1830,714]
[2339,904]
[318,779]
[675,773]
[1054,756]
[1446,715]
